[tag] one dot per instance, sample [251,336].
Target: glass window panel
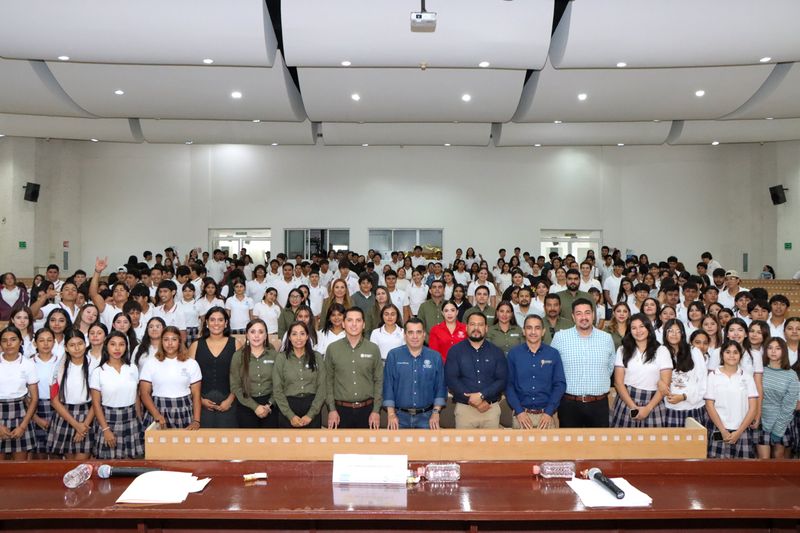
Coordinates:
[317,242]
[405,240]
[295,242]
[380,240]
[431,242]
[339,239]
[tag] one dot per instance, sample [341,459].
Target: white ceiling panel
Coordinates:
[182,92]
[370,33]
[173,32]
[581,134]
[406,134]
[675,33]
[28,87]
[779,97]
[734,131]
[637,94]
[227,132]
[410,95]
[102,129]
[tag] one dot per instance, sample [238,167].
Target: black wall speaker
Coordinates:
[32,192]
[777,194]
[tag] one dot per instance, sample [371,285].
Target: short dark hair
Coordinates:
[477,313]
[533,317]
[552,296]
[355,309]
[582,301]
[718,273]
[779,298]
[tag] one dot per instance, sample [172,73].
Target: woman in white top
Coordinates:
[482,281]
[151,342]
[731,398]
[469,258]
[667,312]
[694,317]
[114,385]
[240,308]
[758,334]
[70,434]
[209,299]
[22,319]
[269,311]
[541,290]
[684,396]
[449,284]
[403,283]
[640,364]
[503,277]
[417,292]
[187,308]
[123,324]
[59,322]
[87,316]
[97,336]
[169,385]
[17,379]
[45,364]
[710,325]
[389,333]
[560,283]
[791,332]
[461,274]
[333,330]
[372,318]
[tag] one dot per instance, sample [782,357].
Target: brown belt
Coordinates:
[535,411]
[586,398]
[354,405]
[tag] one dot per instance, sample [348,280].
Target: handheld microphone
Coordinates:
[107,471]
[597,475]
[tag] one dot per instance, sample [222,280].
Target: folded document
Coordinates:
[162,486]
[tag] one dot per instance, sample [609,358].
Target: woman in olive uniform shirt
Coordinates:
[298,381]
[251,379]
[504,332]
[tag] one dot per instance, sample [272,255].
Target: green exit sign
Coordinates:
[787,246]
[23,244]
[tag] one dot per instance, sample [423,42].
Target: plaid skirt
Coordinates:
[12,412]
[126,428]
[176,411]
[44,410]
[60,439]
[763,438]
[620,417]
[674,418]
[793,431]
[192,334]
[745,447]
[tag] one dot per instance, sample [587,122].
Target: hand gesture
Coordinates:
[295,421]
[305,420]
[208,404]
[524,420]
[100,264]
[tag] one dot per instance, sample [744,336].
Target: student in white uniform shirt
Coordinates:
[317,292]
[115,400]
[461,274]
[326,275]
[150,343]
[269,311]
[285,284]
[18,379]
[332,329]
[684,396]
[45,363]
[587,281]
[417,292]
[240,308]
[732,288]
[482,281]
[399,297]
[70,434]
[69,295]
[403,280]
[168,310]
[95,338]
[389,333]
[22,319]
[350,277]
[259,283]
[209,299]
[216,266]
[188,308]
[58,322]
[778,305]
[119,294]
[169,385]
[694,317]
[792,337]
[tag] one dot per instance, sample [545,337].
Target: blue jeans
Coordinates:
[409,421]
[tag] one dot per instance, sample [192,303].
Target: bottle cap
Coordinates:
[536,470]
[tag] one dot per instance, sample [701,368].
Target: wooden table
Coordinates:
[492,496]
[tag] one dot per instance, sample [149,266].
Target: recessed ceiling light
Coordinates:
[355,96]
[189,142]
[770,118]
[346,63]
[765,59]
[257,121]
[365,144]
[447,144]
[119,92]
[2,134]
[236,95]
[94,140]
[714,143]
[622,64]
[582,97]
[620,144]
[556,122]
[208,61]
[63,58]
[537,145]
[656,120]
[483,64]
[466,97]
[274,144]
[699,93]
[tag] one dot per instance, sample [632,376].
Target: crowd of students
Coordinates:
[215,341]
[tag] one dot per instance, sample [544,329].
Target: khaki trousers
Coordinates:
[535,419]
[467,417]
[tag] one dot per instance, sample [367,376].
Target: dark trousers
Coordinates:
[572,414]
[354,417]
[299,406]
[248,420]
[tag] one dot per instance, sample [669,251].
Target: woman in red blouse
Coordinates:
[445,334]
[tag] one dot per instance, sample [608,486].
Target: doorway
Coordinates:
[258,242]
[575,242]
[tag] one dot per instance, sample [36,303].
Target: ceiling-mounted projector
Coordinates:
[423,21]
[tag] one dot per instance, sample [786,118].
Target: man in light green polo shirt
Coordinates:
[553,321]
[571,294]
[354,371]
[430,312]
[482,305]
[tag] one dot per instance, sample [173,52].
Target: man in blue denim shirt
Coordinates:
[413,382]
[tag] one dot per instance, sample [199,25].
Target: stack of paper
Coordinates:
[162,486]
[592,494]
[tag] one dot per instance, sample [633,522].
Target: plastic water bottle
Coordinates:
[439,472]
[78,476]
[551,469]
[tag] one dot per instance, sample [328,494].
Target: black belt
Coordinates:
[416,411]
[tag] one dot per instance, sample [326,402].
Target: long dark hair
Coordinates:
[289,349]
[126,357]
[62,390]
[216,309]
[144,347]
[133,342]
[335,307]
[629,343]
[312,322]
[247,351]
[682,354]
[60,311]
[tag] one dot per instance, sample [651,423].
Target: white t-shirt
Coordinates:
[171,378]
[399,298]
[240,311]
[317,296]
[641,375]
[692,383]
[325,278]
[203,305]
[387,341]
[416,297]
[475,284]
[45,371]
[15,376]
[75,390]
[118,389]
[752,361]
[463,278]
[555,288]
[284,288]
[256,289]
[172,317]
[731,395]
[189,312]
[215,269]
[269,314]
[727,300]
[325,339]
[611,284]
[10,296]
[776,331]
[586,285]
[108,314]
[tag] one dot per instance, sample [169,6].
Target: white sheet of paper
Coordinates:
[162,486]
[592,494]
[362,468]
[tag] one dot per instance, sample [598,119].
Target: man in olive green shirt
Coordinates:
[430,312]
[354,371]
[571,294]
[553,321]
[481,304]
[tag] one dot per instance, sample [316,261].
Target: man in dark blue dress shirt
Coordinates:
[476,373]
[536,379]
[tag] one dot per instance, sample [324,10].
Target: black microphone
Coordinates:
[107,471]
[597,475]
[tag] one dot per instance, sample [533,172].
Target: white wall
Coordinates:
[662,200]
[786,172]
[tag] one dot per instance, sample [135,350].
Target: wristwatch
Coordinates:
[482,397]
[436,410]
